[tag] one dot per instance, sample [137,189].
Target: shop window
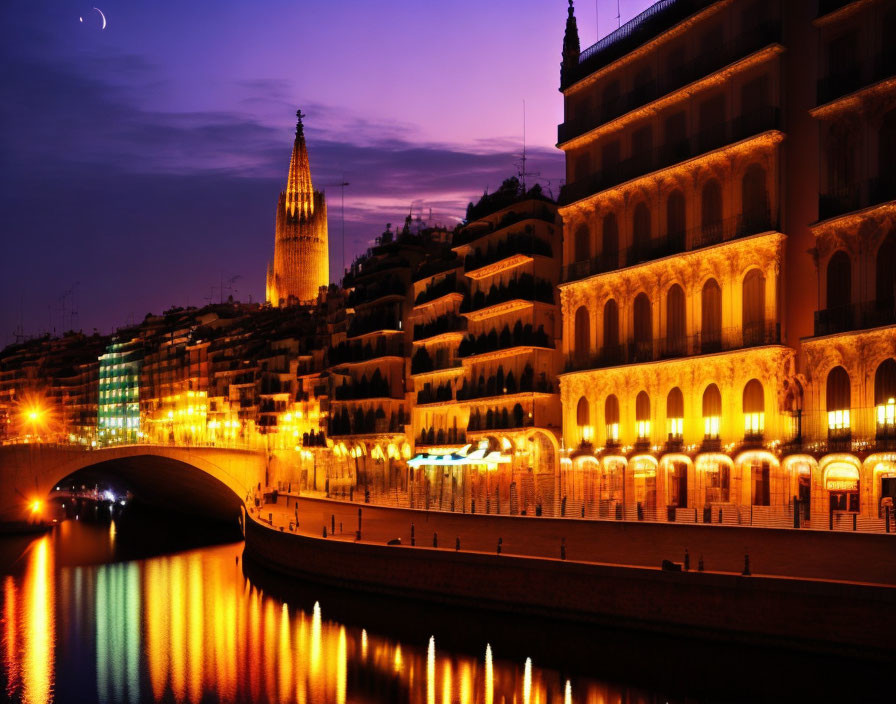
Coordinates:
[717,477]
[842,484]
[760,471]
[678,484]
[644,476]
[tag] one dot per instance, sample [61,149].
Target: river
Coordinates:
[150,607]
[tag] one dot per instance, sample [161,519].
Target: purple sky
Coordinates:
[141,163]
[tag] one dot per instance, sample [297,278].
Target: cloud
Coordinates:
[151,205]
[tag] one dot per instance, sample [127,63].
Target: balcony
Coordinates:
[517,243]
[858,316]
[655,20]
[524,287]
[354,353]
[440,326]
[520,336]
[442,436]
[848,79]
[440,289]
[723,340]
[674,79]
[743,127]
[499,384]
[729,229]
[848,199]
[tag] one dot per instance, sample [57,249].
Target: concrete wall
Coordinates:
[808,614]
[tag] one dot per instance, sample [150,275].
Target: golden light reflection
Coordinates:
[199,631]
[39,626]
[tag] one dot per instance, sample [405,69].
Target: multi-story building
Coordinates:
[118,413]
[688,280]
[510,246]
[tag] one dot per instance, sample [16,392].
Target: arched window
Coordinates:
[839,396]
[675,322]
[839,284]
[885,396]
[711,212]
[582,244]
[641,234]
[583,412]
[711,317]
[610,243]
[754,308]
[642,415]
[754,196]
[675,414]
[611,418]
[675,220]
[886,274]
[611,330]
[712,412]
[582,336]
[643,329]
[754,409]
[610,100]
[582,168]
[886,142]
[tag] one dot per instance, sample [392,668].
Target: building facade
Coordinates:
[687,290]
[301,264]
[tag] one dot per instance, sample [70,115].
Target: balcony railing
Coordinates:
[848,199]
[672,80]
[747,125]
[848,79]
[723,340]
[695,238]
[654,20]
[858,316]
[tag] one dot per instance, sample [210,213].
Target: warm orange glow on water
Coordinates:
[190,627]
[39,626]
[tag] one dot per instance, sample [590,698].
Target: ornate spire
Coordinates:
[299,191]
[571,47]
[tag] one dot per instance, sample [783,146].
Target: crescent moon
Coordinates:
[101,15]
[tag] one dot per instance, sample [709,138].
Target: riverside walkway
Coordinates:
[824,555]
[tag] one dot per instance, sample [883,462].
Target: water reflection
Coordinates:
[190,627]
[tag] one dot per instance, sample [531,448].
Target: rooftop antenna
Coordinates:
[618,16]
[342,185]
[522,172]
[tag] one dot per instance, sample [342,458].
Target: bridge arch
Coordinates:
[209,481]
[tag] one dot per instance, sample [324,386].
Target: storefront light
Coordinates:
[838,420]
[711,426]
[754,423]
[675,427]
[613,431]
[886,413]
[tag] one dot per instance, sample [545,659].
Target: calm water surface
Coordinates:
[109,611]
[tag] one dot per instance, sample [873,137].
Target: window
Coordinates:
[838,402]
[641,233]
[675,321]
[885,396]
[611,418]
[582,166]
[717,477]
[712,412]
[754,200]
[711,212]
[839,276]
[675,414]
[711,317]
[753,311]
[582,244]
[583,419]
[754,409]
[611,326]
[643,326]
[759,471]
[886,274]
[642,416]
[582,335]
[675,219]
[610,242]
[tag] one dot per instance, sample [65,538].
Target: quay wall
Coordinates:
[806,614]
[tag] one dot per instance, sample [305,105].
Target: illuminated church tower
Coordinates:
[301,262]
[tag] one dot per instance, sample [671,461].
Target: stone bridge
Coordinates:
[210,481]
